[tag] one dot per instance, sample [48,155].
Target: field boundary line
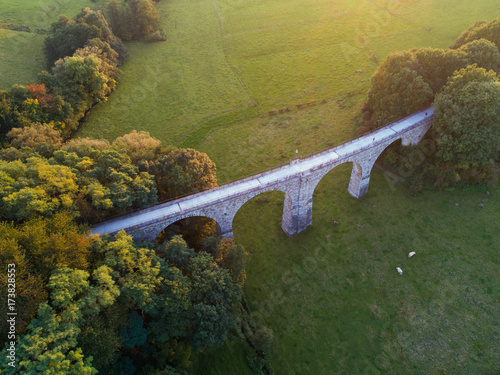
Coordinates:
[232,116]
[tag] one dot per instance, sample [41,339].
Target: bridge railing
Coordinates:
[269,170]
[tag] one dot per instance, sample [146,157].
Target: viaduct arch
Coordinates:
[297,180]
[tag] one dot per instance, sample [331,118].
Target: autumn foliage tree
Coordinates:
[69,34]
[163,304]
[42,138]
[179,172]
[36,247]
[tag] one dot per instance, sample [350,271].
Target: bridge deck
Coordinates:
[258,181]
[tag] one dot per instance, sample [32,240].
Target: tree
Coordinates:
[100,335]
[30,285]
[262,338]
[138,145]
[83,80]
[397,90]
[50,346]
[133,19]
[147,18]
[408,81]
[127,186]
[436,65]
[36,188]
[182,171]
[134,333]
[21,106]
[480,30]
[136,270]
[467,117]
[85,146]
[229,255]
[107,64]
[85,177]
[121,19]
[48,242]
[68,34]
[213,295]
[483,53]
[40,137]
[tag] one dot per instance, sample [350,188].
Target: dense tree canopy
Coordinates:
[467,117]
[408,81]
[69,34]
[101,181]
[36,247]
[92,178]
[42,138]
[51,344]
[24,105]
[161,306]
[462,82]
[133,19]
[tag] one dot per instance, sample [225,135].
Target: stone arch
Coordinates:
[189,223]
[150,232]
[287,216]
[303,209]
[402,141]
[355,166]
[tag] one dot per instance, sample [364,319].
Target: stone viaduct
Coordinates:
[297,180]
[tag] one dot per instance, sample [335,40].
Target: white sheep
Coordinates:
[411,254]
[400,271]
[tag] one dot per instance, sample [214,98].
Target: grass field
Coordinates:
[226,61]
[39,13]
[21,56]
[170,88]
[21,53]
[333,297]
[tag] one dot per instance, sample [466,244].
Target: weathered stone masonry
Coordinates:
[297,180]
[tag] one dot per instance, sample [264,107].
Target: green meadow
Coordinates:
[335,302]
[21,53]
[39,13]
[21,57]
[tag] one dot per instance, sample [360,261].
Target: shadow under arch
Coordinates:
[263,212]
[333,188]
[193,229]
[347,169]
